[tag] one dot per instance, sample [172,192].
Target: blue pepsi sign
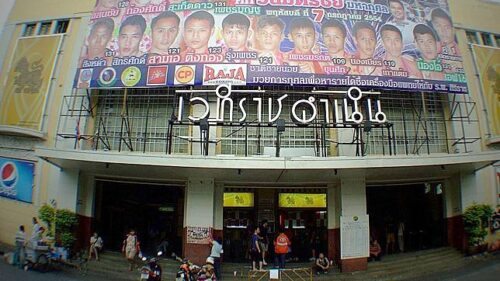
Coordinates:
[16,179]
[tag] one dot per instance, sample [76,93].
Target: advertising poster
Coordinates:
[28,82]
[298,200]
[199,235]
[488,65]
[386,44]
[16,180]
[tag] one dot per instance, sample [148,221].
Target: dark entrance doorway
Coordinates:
[155,212]
[419,207]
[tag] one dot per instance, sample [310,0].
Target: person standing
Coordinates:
[264,240]
[401,238]
[255,251]
[216,255]
[20,244]
[131,247]
[281,245]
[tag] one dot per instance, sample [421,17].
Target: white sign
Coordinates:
[354,237]
[274,274]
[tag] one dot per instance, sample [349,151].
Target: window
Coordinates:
[45,28]
[487,39]
[497,40]
[62,26]
[29,29]
[472,37]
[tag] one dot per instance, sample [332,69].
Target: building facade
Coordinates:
[186,162]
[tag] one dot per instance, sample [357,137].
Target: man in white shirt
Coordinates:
[215,253]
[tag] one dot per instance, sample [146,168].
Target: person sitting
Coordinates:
[95,246]
[322,264]
[375,250]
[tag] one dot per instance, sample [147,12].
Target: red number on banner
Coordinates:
[318,14]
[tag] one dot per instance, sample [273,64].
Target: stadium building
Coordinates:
[185,120]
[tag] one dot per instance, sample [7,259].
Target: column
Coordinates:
[454,223]
[218,210]
[198,213]
[85,210]
[63,188]
[353,204]
[333,216]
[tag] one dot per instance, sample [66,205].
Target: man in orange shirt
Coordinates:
[281,245]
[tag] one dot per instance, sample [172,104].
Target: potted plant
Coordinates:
[476,221]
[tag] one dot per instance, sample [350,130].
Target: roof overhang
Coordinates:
[266,170]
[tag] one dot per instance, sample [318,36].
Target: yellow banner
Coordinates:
[238,199]
[28,82]
[301,200]
[488,64]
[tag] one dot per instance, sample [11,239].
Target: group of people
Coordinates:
[258,41]
[21,243]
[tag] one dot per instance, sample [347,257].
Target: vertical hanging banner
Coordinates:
[28,82]
[488,66]
[16,180]
[385,44]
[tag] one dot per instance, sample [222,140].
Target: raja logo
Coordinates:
[215,74]
[9,175]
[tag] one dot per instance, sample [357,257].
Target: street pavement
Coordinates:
[485,270]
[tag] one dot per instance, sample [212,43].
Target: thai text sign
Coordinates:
[28,82]
[16,180]
[298,200]
[385,44]
[238,199]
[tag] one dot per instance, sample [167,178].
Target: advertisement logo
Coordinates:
[85,77]
[131,76]
[9,175]
[107,77]
[215,74]
[184,74]
[157,76]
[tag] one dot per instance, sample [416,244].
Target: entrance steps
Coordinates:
[405,266]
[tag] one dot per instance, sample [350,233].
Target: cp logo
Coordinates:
[184,74]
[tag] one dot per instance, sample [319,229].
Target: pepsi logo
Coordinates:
[9,175]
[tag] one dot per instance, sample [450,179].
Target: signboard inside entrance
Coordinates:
[302,200]
[238,199]
[405,44]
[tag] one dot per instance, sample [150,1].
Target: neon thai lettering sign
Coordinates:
[356,107]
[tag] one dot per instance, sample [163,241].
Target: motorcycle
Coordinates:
[191,272]
[151,271]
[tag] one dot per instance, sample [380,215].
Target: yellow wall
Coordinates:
[13,213]
[476,16]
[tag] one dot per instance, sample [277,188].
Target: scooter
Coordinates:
[187,270]
[151,271]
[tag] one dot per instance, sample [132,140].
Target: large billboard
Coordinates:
[16,180]
[28,82]
[386,44]
[487,60]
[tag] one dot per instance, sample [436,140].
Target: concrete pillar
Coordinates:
[198,213]
[218,210]
[85,210]
[454,223]
[63,188]
[333,216]
[353,203]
